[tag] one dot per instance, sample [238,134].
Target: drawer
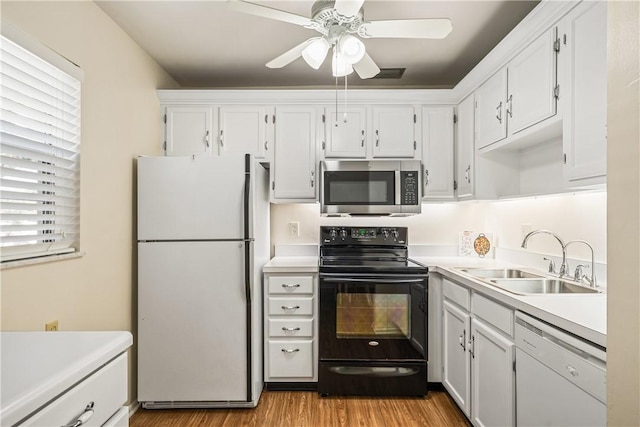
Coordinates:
[496,314]
[293,328]
[456,293]
[302,306]
[290,359]
[106,388]
[290,284]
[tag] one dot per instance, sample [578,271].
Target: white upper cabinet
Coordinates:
[246,129]
[532,84]
[345,132]
[465,153]
[217,130]
[188,131]
[437,152]
[394,132]
[583,55]
[491,115]
[294,172]
[520,95]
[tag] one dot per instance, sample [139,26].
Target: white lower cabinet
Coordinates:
[290,328]
[456,372]
[493,377]
[97,400]
[478,356]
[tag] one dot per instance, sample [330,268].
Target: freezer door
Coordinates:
[191,322]
[182,198]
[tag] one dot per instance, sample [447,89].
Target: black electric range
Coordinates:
[373,314]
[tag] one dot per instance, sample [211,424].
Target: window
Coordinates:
[39,150]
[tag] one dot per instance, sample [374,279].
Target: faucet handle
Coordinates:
[579,275]
[552,265]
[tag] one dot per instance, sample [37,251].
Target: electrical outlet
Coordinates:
[51,326]
[294,229]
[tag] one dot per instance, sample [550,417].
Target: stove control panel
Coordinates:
[381,236]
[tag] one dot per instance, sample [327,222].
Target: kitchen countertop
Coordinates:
[581,315]
[292,264]
[38,366]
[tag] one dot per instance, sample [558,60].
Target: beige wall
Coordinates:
[120,120]
[623,117]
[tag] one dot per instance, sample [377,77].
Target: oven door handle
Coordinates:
[369,279]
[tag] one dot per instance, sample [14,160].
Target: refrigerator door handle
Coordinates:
[247,271]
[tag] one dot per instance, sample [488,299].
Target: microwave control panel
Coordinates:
[409,188]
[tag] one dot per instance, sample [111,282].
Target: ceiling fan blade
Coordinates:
[407,28]
[348,7]
[290,55]
[267,12]
[366,68]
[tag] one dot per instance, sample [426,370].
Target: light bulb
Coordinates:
[340,67]
[315,52]
[351,48]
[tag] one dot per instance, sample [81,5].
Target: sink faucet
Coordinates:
[592,281]
[563,267]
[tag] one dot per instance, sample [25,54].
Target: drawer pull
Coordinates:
[290,307]
[290,350]
[287,286]
[284,328]
[84,417]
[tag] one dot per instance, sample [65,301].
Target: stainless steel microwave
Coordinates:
[370,187]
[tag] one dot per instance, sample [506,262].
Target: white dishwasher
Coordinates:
[560,379]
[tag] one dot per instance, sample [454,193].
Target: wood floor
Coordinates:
[307,409]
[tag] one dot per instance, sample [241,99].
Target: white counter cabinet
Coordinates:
[478,355]
[57,378]
[290,328]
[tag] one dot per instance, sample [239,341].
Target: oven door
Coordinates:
[373,318]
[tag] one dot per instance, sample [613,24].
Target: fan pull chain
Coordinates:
[345,100]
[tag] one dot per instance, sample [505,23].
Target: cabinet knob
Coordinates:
[290,350]
[221,138]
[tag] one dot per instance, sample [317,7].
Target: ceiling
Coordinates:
[204,44]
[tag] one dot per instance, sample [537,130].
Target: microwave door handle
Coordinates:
[397,188]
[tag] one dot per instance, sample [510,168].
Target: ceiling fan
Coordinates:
[341,23]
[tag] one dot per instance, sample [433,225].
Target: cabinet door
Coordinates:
[188,131]
[456,375]
[491,112]
[245,129]
[394,131]
[294,169]
[345,132]
[493,377]
[465,154]
[437,152]
[585,117]
[532,80]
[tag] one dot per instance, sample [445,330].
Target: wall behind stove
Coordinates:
[573,216]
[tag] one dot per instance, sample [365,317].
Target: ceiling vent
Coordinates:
[389,73]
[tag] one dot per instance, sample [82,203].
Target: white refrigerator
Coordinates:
[203,237]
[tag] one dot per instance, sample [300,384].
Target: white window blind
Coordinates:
[39,156]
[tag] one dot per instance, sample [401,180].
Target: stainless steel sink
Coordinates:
[500,273]
[541,286]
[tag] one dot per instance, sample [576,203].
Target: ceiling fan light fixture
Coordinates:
[340,67]
[315,52]
[351,48]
